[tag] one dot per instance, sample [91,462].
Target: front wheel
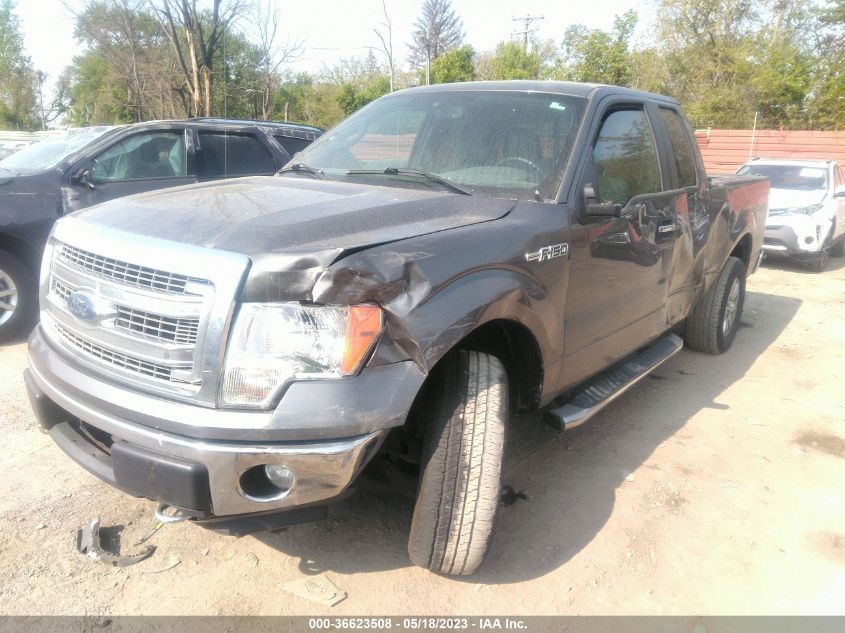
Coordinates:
[819,261]
[18,297]
[466,410]
[712,325]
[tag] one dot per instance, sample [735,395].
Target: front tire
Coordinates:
[461,479]
[819,262]
[18,297]
[712,325]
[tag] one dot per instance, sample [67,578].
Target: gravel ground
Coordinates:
[715,487]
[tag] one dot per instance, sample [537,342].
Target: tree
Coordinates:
[454,65]
[384,33]
[138,66]
[273,53]
[359,80]
[196,37]
[512,61]
[437,30]
[18,97]
[596,56]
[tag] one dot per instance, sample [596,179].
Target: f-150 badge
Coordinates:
[548,252]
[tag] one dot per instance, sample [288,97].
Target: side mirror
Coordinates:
[594,208]
[839,192]
[83,177]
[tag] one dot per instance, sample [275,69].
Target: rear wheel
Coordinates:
[712,325]
[461,478]
[17,297]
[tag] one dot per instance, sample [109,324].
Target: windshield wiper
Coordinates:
[396,171]
[302,168]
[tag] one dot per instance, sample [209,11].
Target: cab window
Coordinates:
[679,137]
[625,157]
[146,156]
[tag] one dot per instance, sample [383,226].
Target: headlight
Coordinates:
[273,344]
[809,210]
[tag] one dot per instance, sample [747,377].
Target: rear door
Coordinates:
[134,163]
[618,282]
[691,213]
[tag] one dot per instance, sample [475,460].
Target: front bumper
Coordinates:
[200,475]
[795,235]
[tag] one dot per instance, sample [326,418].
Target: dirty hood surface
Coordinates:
[782,199]
[261,216]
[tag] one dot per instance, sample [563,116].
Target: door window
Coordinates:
[146,156]
[224,155]
[291,144]
[625,157]
[679,137]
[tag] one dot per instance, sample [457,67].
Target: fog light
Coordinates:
[279,476]
[266,482]
[808,239]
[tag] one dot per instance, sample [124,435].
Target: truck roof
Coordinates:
[571,88]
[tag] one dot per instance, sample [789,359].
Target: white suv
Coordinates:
[806,208]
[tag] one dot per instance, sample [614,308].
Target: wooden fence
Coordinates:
[724,151]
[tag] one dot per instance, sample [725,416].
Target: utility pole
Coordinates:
[526,27]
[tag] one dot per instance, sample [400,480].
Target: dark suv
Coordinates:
[87,166]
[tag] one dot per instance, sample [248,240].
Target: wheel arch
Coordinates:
[21,250]
[743,250]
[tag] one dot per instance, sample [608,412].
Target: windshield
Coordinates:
[794,177]
[52,150]
[503,144]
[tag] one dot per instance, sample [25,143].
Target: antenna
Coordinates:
[526,27]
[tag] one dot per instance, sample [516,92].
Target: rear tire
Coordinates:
[712,325]
[18,298]
[463,450]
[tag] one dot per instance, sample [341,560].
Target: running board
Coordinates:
[598,392]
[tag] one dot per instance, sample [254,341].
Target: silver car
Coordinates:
[806,208]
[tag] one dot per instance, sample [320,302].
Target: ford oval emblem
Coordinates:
[81,306]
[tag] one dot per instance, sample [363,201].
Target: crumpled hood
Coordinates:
[261,215]
[782,199]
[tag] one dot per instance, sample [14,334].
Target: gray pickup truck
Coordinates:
[240,350]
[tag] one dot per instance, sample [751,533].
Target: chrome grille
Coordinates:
[159,327]
[162,309]
[124,272]
[163,328]
[118,360]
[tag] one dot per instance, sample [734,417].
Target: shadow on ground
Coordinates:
[795,266]
[569,483]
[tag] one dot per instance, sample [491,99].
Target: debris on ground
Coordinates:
[317,589]
[150,534]
[511,496]
[88,543]
[171,563]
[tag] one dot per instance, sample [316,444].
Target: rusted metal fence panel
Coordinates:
[724,151]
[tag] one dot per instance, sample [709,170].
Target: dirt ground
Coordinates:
[714,487]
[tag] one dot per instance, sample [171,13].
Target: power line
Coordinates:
[526,28]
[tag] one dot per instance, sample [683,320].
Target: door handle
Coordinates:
[665,227]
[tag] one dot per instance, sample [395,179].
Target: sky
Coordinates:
[333,29]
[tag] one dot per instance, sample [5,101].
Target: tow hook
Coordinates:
[177,516]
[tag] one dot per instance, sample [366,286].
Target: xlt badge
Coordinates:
[548,252]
